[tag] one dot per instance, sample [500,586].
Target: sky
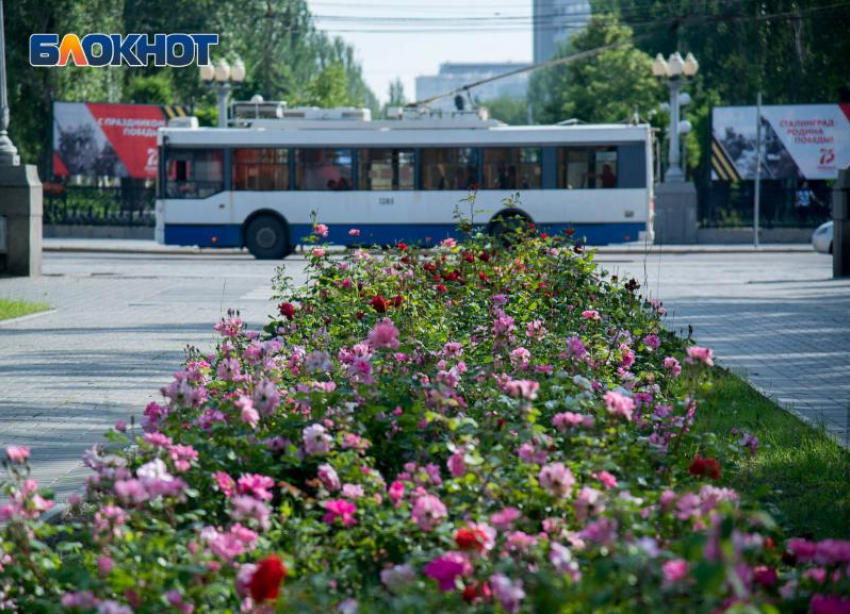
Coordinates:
[407,38]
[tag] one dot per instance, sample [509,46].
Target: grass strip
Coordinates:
[15,309]
[799,474]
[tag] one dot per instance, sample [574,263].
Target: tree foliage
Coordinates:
[605,88]
[286,58]
[397,97]
[508,109]
[151,89]
[793,51]
[329,88]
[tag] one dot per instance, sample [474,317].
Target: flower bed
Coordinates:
[470,428]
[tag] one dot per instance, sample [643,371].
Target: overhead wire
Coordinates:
[682,21]
[633,18]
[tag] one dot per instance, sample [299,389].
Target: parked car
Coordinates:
[822,239]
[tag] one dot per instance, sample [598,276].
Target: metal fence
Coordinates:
[99,206]
[726,204]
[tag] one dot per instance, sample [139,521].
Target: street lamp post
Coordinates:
[220,77]
[20,194]
[8,151]
[675,71]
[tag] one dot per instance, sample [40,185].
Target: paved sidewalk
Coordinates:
[777,318]
[119,330]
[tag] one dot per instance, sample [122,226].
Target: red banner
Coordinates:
[106,140]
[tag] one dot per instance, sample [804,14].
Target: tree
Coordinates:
[508,109]
[328,89]
[604,88]
[152,89]
[397,97]
[282,50]
[793,51]
[33,90]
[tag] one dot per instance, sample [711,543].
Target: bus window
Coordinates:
[323,169]
[605,162]
[385,169]
[193,173]
[512,168]
[573,169]
[449,168]
[587,167]
[261,169]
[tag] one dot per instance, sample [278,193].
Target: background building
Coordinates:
[454,75]
[555,21]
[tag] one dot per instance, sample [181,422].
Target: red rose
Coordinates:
[469,257]
[397,300]
[441,288]
[704,467]
[359,315]
[483,276]
[470,539]
[543,235]
[265,583]
[379,303]
[402,246]
[475,592]
[570,231]
[287,310]
[484,257]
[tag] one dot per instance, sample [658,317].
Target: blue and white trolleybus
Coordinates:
[256,184]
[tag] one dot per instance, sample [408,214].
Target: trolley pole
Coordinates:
[757,197]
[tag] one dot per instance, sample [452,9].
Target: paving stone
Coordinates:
[779,316]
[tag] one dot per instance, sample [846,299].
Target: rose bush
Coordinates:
[471,428]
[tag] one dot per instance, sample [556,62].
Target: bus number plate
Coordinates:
[386,201]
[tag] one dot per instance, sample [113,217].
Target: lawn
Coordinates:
[800,475]
[15,309]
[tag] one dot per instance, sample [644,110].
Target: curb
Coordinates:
[602,250]
[710,250]
[29,316]
[119,250]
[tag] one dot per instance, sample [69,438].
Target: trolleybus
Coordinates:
[258,184]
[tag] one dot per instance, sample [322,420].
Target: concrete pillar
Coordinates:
[21,206]
[841,225]
[675,213]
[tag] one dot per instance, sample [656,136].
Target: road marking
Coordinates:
[260,293]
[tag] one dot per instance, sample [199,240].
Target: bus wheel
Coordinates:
[509,227]
[266,238]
